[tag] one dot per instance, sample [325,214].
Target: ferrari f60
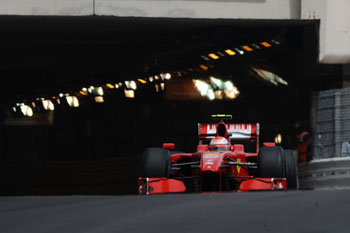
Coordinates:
[228,158]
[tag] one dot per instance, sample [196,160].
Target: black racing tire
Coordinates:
[271,163]
[156,163]
[291,170]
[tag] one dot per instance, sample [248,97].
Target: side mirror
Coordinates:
[169,146]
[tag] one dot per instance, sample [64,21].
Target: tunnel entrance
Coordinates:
[120,85]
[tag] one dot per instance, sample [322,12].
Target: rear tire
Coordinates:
[156,163]
[291,170]
[271,162]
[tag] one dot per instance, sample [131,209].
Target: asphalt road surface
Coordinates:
[292,211]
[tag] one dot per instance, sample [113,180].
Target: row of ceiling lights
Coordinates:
[130,86]
[236,50]
[209,89]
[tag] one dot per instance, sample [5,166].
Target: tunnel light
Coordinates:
[239,51]
[99,99]
[218,94]
[205,58]
[29,112]
[142,81]
[110,86]
[216,82]
[91,89]
[75,102]
[230,90]
[202,87]
[133,85]
[84,89]
[151,79]
[72,101]
[82,92]
[230,94]
[282,81]
[256,46]
[247,48]
[48,105]
[230,52]
[275,42]
[221,54]
[278,139]
[213,56]
[167,76]
[265,44]
[229,85]
[162,86]
[129,93]
[270,77]
[26,110]
[211,94]
[99,91]
[204,67]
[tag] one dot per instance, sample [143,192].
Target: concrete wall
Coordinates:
[233,9]
[334,29]
[255,9]
[46,7]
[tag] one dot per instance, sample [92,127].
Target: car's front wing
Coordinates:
[164,185]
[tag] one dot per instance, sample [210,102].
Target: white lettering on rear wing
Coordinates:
[235,131]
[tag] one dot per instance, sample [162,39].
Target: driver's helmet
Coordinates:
[219,144]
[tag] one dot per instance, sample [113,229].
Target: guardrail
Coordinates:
[325,173]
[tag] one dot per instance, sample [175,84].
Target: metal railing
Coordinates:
[325,174]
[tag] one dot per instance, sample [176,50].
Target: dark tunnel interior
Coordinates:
[44,57]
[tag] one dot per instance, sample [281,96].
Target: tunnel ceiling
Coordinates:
[47,55]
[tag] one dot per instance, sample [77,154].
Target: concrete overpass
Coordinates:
[334,35]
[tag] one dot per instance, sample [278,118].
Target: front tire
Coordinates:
[156,163]
[291,170]
[271,162]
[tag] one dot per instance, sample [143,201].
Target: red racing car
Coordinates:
[228,158]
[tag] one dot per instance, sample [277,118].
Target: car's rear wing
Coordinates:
[234,131]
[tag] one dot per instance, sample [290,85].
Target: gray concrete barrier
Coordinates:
[331,173]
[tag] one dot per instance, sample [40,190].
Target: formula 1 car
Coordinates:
[228,158]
